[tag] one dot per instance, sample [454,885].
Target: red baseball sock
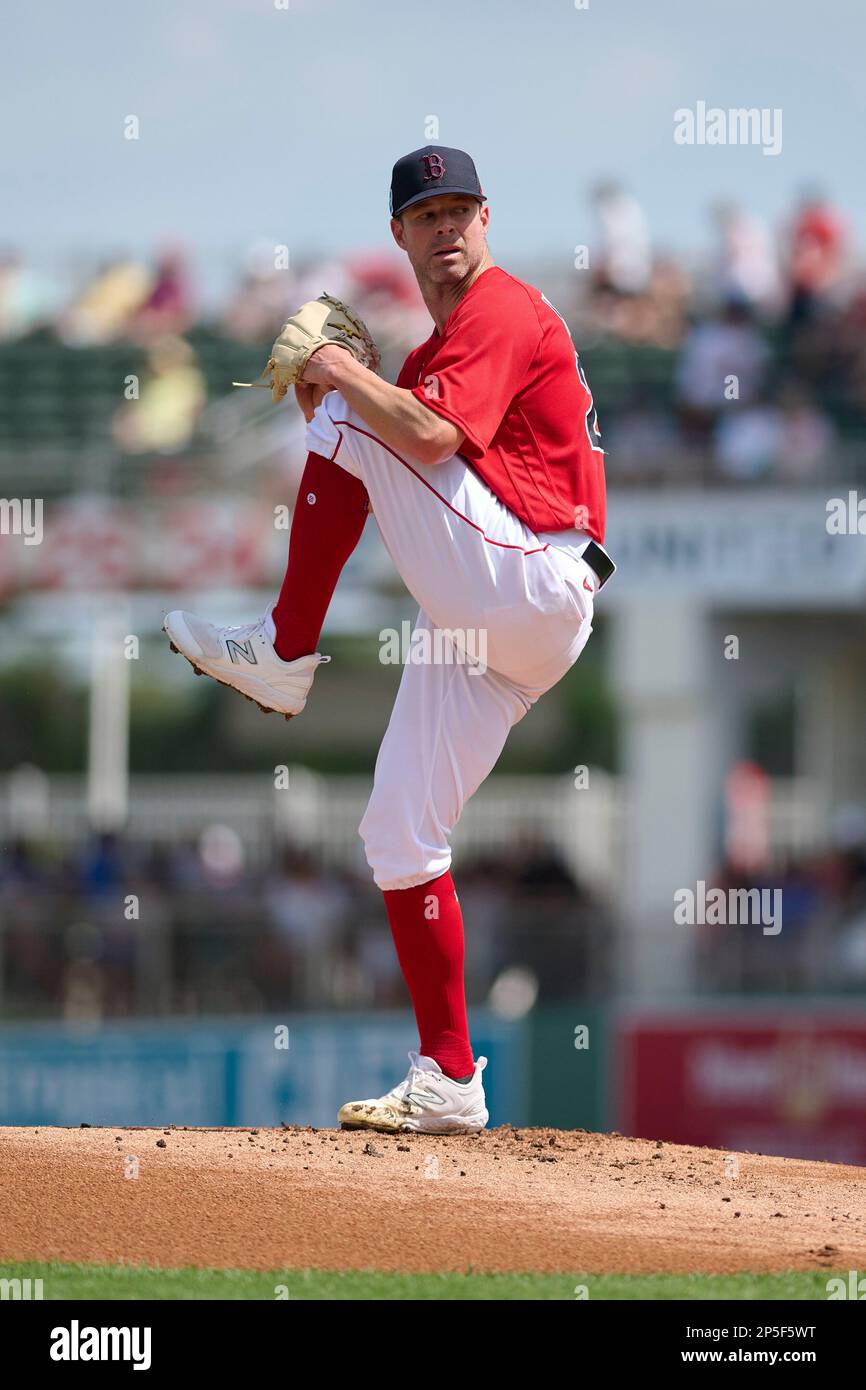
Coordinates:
[327,523]
[427,927]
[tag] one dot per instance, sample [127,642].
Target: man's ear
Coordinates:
[397,232]
[485,215]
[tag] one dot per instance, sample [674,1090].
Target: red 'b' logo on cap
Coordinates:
[434,165]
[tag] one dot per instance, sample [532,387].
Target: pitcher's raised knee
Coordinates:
[398,853]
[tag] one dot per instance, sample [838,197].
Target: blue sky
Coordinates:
[284,124]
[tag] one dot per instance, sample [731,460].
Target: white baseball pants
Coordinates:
[523,601]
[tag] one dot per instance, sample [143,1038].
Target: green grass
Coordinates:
[65,1281]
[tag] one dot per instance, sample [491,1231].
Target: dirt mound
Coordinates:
[535,1199]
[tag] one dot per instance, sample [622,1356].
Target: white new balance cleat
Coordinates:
[244,658]
[427,1101]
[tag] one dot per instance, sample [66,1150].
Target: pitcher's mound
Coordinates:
[530,1200]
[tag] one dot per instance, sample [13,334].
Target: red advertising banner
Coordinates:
[785,1083]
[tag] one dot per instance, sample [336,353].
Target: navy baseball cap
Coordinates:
[433,169]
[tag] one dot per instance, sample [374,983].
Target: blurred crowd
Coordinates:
[121,930]
[766,330]
[761,334]
[126,299]
[822,941]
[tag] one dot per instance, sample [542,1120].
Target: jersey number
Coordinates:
[593,433]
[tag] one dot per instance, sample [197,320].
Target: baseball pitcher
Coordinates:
[484,470]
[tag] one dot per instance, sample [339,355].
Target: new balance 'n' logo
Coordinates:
[425,1098]
[241,649]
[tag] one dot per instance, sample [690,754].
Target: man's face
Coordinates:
[443,236]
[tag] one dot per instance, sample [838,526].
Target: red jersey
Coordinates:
[506,373]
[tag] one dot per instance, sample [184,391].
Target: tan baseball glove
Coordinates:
[316,324]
